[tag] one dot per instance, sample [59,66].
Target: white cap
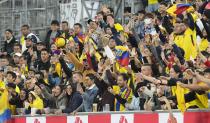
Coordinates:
[18,54]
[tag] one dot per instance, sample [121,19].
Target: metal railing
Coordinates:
[37,13]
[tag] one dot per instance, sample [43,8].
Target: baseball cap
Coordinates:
[32,38]
[18,54]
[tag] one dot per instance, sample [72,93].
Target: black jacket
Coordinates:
[47,38]
[73,103]
[8,47]
[27,55]
[74,100]
[65,68]
[44,66]
[15,100]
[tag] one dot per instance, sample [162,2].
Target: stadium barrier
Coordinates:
[191,116]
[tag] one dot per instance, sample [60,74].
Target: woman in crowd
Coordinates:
[58,97]
[74,99]
[34,103]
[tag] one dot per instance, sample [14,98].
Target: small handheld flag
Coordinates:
[122,55]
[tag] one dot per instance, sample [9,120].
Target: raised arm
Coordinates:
[151,79]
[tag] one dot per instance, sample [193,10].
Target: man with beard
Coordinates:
[29,53]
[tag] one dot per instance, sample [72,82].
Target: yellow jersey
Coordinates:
[125,93]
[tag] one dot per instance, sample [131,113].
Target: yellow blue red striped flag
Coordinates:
[5,113]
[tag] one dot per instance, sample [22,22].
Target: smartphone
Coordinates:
[5,69]
[35,54]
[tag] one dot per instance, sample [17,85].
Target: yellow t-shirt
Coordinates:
[37,103]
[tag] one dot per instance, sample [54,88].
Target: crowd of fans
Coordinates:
[81,70]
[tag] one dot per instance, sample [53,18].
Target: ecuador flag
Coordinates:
[5,113]
[122,55]
[79,38]
[177,9]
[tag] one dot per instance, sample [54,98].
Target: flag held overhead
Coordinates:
[122,55]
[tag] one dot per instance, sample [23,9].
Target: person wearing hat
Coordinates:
[31,38]
[8,43]
[26,32]
[16,58]
[39,47]
[31,52]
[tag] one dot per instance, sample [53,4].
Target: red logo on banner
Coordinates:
[78,120]
[36,121]
[123,120]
